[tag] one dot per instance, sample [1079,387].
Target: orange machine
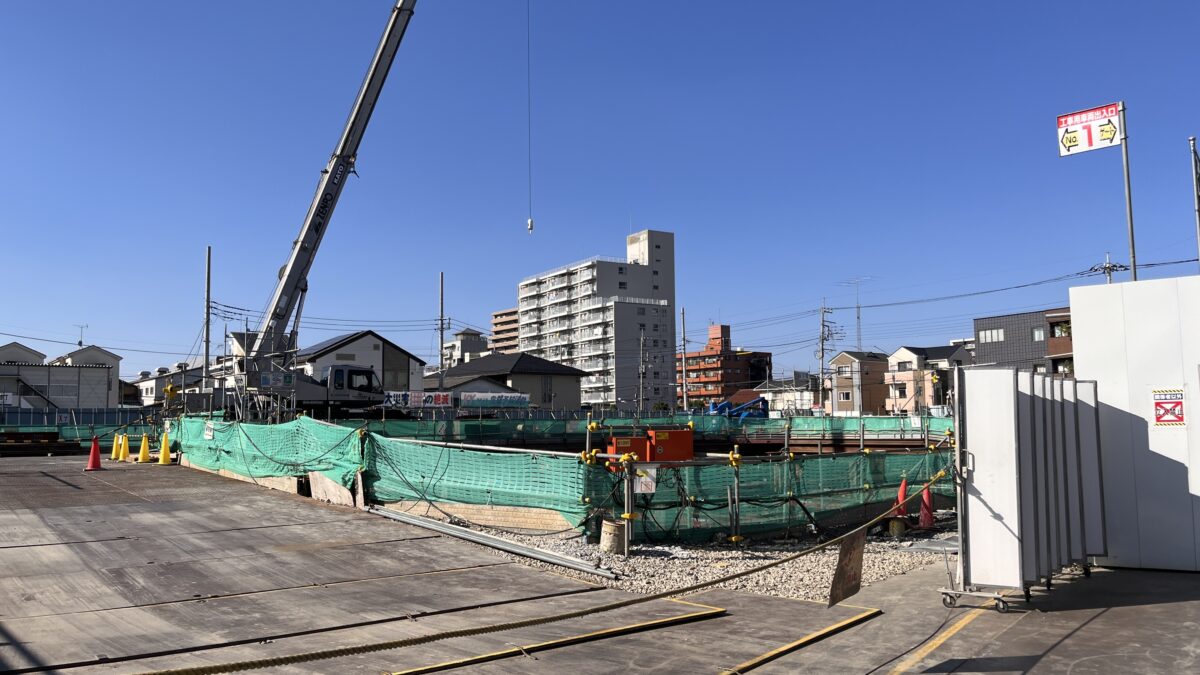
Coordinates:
[619,445]
[674,445]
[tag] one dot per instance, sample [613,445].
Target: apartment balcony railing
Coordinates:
[528,331]
[594,381]
[589,303]
[527,290]
[557,326]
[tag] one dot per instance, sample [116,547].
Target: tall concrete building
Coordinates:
[614,318]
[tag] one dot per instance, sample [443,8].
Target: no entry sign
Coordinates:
[1089,129]
[1168,407]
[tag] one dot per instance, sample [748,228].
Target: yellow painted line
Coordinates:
[790,647]
[707,612]
[936,642]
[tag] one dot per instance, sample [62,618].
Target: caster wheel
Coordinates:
[949,601]
[1002,606]
[1028,595]
[1087,570]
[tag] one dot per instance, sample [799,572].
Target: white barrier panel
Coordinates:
[1027,477]
[1062,531]
[1047,540]
[1092,490]
[1075,517]
[993,504]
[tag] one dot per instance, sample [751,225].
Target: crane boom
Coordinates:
[272,337]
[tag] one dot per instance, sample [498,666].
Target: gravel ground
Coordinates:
[658,568]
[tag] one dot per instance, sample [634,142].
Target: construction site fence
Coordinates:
[77,424]
[688,503]
[708,428]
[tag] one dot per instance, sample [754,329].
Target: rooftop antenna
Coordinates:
[529,109]
[80,326]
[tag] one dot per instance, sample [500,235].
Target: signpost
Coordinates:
[1093,129]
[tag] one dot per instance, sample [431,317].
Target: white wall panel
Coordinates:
[993,507]
[1027,477]
[1075,515]
[1091,469]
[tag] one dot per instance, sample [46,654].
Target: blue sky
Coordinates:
[789,145]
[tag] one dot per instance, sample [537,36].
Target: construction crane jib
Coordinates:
[273,338]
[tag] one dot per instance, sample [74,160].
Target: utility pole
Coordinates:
[857,309]
[207,324]
[1196,185]
[1108,267]
[683,359]
[441,330]
[80,326]
[641,370]
[821,354]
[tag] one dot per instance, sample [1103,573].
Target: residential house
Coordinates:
[796,395]
[88,377]
[1059,348]
[918,378]
[550,385]
[856,384]
[398,369]
[1021,340]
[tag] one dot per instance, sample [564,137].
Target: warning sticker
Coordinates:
[1168,407]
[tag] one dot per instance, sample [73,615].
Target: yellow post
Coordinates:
[124,457]
[144,453]
[164,453]
[116,451]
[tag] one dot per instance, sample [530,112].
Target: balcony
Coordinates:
[528,290]
[556,311]
[1059,346]
[527,331]
[557,326]
[596,381]
[589,303]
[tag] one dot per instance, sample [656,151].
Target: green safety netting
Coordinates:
[710,428]
[81,432]
[259,451]
[688,503]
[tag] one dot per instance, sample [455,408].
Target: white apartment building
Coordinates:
[611,318]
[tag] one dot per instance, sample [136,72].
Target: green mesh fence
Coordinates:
[689,503]
[260,451]
[82,433]
[714,428]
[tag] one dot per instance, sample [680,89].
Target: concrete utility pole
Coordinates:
[1128,192]
[821,354]
[207,324]
[641,370]
[441,330]
[683,359]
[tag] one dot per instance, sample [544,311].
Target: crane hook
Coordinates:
[529,225]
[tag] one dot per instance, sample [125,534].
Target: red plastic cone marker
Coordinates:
[926,509]
[901,495]
[94,456]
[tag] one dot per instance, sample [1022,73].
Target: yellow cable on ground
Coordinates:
[320,655]
[815,636]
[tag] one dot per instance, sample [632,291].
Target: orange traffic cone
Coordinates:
[926,509]
[94,456]
[901,495]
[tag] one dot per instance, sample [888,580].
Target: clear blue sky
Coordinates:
[789,145]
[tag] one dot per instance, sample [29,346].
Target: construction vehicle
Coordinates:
[267,376]
[759,407]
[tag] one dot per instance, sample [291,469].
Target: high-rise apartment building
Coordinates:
[610,317]
[504,331]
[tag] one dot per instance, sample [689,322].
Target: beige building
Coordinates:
[918,377]
[504,331]
[88,377]
[855,384]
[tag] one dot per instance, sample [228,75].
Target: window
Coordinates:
[339,379]
[375,347]
[900,391]
[641,311]
[1039,334]
[903,366]
[1061,329]
[1039,368]
[655,272]
[843,370]
[843,396]
[620,269]
[362,380]
[654,343]
[991,335]
[656,287]
[622,284]
[655,328]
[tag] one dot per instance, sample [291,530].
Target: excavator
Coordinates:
[271,386]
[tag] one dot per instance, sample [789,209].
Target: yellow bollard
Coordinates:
[124,457]
[164,453]
[144,453]
[116,451]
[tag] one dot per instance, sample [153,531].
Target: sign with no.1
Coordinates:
[1089,129]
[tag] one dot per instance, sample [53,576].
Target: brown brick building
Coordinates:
[718,370]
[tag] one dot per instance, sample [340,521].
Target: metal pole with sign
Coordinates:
[1096,128]
[1195,185]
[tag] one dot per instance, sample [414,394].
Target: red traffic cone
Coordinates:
[901,495]
[926,509]
[94,456]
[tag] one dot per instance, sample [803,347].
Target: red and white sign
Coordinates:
[1168,407]
[1089,130]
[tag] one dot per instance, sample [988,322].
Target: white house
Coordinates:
[397,368]
[88,377]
